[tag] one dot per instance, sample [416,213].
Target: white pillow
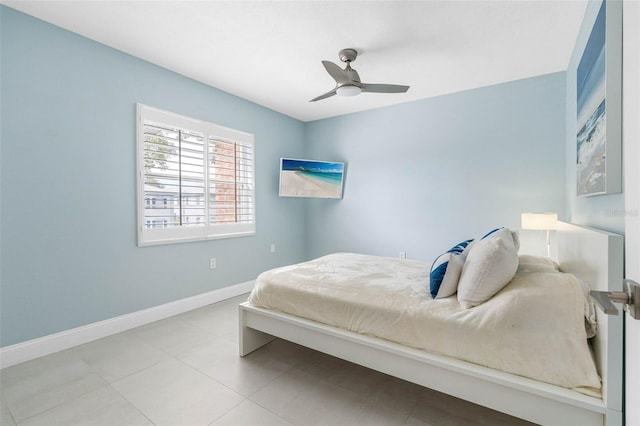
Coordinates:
[489,266]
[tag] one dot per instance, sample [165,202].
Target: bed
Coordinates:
[592,255]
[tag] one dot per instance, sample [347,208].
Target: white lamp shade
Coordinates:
[539,221]
[348,90]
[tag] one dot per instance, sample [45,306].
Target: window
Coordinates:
[202,172]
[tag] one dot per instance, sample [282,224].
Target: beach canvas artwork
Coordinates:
[592,113]
[309,178]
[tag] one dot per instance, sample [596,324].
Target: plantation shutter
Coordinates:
[195,179]
[230,182]
[174,177]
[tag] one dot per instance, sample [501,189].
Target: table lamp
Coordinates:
[540,222]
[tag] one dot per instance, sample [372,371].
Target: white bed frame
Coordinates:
[593,255]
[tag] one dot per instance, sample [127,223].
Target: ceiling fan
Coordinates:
[348,81]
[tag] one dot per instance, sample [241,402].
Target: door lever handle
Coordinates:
[630,298]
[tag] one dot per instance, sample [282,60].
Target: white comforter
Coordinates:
[534,327]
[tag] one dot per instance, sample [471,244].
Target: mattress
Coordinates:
[534,327]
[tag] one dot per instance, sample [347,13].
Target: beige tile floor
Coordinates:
[185,370]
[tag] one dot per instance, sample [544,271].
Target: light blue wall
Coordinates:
[601,211]
[424,175]
[420,177]
[69,254]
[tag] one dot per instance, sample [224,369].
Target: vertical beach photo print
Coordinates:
[591,112]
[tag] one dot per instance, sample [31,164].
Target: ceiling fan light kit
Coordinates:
[348,90]
[348,81]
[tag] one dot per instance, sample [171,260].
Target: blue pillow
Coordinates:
[445,271]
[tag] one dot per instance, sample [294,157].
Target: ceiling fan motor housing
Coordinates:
[348,55]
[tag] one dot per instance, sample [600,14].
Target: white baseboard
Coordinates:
[31,349]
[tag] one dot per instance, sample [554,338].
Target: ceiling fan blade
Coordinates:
[336,72]
[384,88]
[326,95]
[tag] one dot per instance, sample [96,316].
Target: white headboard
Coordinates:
[596,257]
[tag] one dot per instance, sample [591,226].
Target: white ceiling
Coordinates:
[269,52]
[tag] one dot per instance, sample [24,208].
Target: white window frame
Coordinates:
[156,236]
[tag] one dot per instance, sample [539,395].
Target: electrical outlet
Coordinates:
[403,255]
[273,248]
[212,263]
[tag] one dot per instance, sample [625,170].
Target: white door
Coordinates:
[631,149]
